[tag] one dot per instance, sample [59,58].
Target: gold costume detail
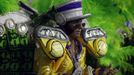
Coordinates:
[52,48]
[100,46]
[92,46]
[47,64]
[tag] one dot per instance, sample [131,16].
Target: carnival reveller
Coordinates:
[71,60]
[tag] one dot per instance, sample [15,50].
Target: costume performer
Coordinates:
[62,50]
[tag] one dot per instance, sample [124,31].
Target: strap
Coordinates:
[75,61]
[72,56]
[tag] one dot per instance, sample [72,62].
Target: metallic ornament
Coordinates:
[22,29]
[49,32]
[10,24]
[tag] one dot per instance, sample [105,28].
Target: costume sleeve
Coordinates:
[97,47]
[95,41]
[48,54]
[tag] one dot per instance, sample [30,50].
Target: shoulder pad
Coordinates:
[95,41]
[92,33]
[53,41]
[51,33]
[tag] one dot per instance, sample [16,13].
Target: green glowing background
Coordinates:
[110,15]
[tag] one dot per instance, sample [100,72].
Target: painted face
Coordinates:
[75,28]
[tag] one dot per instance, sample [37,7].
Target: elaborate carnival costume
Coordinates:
[54,56]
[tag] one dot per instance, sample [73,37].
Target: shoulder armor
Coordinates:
[52,41]
[95,39]
[93,33]
[51,33]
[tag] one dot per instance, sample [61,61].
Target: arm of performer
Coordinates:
[50,50]
[94,39]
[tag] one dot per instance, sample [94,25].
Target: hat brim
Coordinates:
[79,17]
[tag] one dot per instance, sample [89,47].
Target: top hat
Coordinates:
[69,11]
